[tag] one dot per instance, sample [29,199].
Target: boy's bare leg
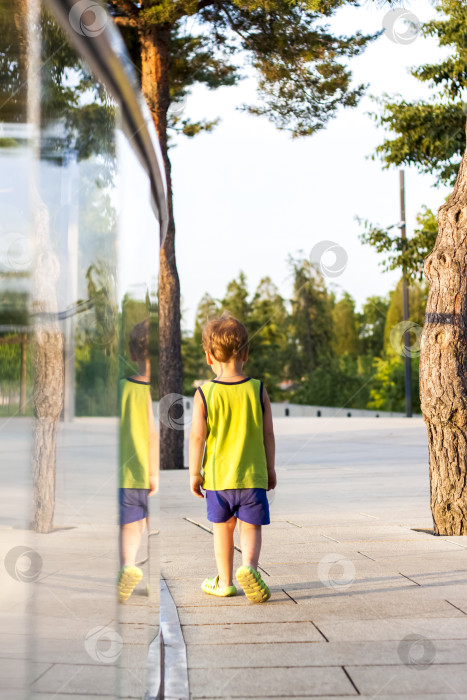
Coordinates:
[130,540]
[250,542]
[224,550]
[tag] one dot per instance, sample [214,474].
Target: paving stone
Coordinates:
[62,696]
[74,679]
[255,683]
[433,679]
[268,612]
[369,606]
[16,673]
[271,632]
[397,629]
[442,696]
[316,654]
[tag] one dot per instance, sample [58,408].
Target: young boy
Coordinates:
[139,459]
[232,425]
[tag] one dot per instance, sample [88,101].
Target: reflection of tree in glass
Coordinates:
[97,345]
[76,123]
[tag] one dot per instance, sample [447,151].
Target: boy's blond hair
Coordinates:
[225,338]
[139,340]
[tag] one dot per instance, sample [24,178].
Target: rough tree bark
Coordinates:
[443,364]
[155,59]
[48,341]
[48,370]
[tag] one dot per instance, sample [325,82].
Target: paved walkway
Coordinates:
[364,600]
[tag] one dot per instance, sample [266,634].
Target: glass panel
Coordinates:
[137,298]
[21,564]
[78,273]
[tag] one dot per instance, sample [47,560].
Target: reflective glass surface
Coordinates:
[78,283]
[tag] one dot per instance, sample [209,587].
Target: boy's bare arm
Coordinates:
[196,447]
[153,450]
[269,441]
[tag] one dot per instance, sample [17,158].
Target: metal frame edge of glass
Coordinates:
[107,56]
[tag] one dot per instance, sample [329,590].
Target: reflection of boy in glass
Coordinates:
[139,459]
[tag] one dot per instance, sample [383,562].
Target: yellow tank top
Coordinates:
[234,457]
[134,434]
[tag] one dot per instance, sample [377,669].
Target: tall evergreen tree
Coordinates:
[236,301]
[429,134]
[310,325]
[194,362]
[302,80]
[345,326]
[268,337]
[372,322]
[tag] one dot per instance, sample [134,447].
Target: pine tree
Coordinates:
[302,80]
[345,326]
[430,134]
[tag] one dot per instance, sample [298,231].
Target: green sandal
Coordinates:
[253,585]
[128,578]
[211,586]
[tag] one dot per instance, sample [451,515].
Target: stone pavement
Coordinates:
[365,601]
[62,633]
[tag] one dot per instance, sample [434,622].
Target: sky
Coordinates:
[247,196]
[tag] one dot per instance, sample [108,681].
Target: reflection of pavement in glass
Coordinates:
[73,618]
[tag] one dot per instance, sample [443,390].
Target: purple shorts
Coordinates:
[249,505]
[133,505]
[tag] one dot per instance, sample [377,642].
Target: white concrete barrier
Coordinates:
[295,410]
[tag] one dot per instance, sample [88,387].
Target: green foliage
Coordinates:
[341,382]
[70,96]
[371,326]
[388,384]
[345,325]
[310,333]
[322,348]
[10,360]
[13,86]
[417,304]
[300,65]
[431,134]
[96,351]
[235,301]
[399,253]
[266,324]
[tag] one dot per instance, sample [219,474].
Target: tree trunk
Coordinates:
[47,342]
[48,369]
[155,59]
[443,365]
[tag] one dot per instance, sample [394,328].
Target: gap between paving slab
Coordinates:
[174,669]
